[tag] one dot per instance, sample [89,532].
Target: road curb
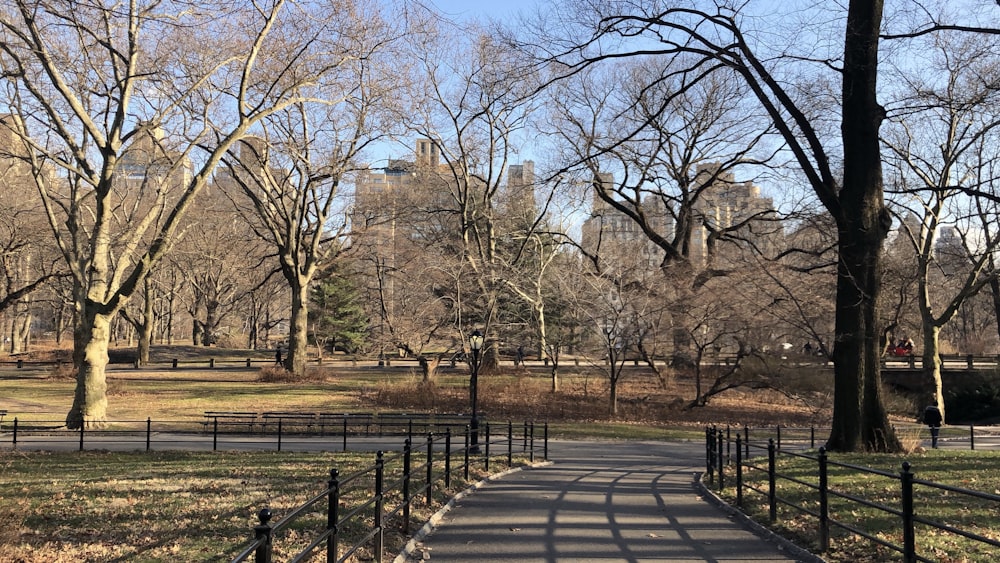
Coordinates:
[412,547]
[802,554]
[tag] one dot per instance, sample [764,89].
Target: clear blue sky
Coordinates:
[460,9]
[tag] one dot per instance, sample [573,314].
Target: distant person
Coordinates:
[519,356]
[277,356]
[932,418]
[807,349]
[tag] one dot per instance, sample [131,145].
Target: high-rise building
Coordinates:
[725,205]
[722,204]
[617,238]
[149,163]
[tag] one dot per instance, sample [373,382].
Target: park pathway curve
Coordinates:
[599,502]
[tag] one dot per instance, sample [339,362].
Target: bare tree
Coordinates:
[716,38]
[664,155]
[472,103]
[941,145]
[25,266]
[90,80]
[293,175]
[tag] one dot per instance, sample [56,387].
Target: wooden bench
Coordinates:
[290,421]
[234,421]
[353,423]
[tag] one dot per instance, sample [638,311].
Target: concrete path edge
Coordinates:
[411,546]
[757,528]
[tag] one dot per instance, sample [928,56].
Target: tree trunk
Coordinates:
[21,335]
[196,331]
[613,393]
[995,292]
[863,224]
[298,330]
[146,328]
[90,401]
[428,367]
[931,362]
[212,320]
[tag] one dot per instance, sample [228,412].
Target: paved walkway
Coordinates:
[615,501]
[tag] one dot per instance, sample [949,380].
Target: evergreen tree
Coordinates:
[336,314]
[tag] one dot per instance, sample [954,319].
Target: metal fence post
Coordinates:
[972,437]
[739,470]
[13,444]
[447,456]
[149,431]
[345,433]
[777,431]
[772,496]
[379,492]
[83,424]
[729,444]
[909,537]
[466,451]
[824,504]
[812,437]
[406,485]
[710,453]
[746,441]
[333,516]
[263,531]
[486,449]
[722,461]
[545,452]
[279,434]
[510,443]
[531,450]
[215,434]
[430,467]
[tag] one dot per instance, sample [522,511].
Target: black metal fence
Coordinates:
[750,466]
[231,430]
[351,516]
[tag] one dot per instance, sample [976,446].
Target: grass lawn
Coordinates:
[177,506]
[973,470]
[162,506]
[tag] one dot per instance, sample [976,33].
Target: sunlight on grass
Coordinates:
[180,506]
[973,470]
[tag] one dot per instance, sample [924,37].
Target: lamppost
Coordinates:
[476,345]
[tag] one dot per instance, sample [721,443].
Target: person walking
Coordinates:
[932,418]
[277,356]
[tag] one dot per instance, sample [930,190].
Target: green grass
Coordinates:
[167,506]
[974,470]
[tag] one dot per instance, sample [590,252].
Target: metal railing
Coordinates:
[750,467]
[225,429]
[356,510]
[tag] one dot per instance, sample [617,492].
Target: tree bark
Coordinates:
[298,329]
[863,224]
[90,401]
[146,328]
[931,363]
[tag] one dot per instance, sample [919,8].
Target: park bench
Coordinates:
[234,421]
[290,421]
[352,423]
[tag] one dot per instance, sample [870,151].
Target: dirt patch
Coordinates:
[638,402]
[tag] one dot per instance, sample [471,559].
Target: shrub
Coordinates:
[278,374]
[973,404]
